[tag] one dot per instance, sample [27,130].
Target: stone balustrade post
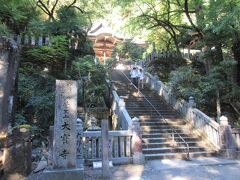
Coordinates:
[191,105]
[19,39]
[50,146]
[138,157]
[106,173]
[79,128]
[26,40]
[228,146]
[40,40]
[32,41]
[121,105]
[155,80]
[191,102]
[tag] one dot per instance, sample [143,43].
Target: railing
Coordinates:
[121,142]
[30,40]
[120,150]
[198,119]
[162,118]
[236,137]
[204,123]
[118,107]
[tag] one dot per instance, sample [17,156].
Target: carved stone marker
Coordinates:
[64,139]
[64,144]
[105,150]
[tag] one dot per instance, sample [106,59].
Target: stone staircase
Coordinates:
[157,138]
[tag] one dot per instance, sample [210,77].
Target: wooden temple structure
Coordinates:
[104,41]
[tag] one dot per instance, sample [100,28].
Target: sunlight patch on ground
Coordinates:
[213,171]
[180,178]
[133,172]
[120,67]
[171,163]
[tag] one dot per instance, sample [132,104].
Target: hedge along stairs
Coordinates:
[158,130]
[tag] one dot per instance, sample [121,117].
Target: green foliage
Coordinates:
[128,50]
[185,82]
[16,14]
[35,103]
[52,57]
[71,20]
[95,82]
[4,30]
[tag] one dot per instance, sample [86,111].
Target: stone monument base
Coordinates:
[63,174]
[138,158]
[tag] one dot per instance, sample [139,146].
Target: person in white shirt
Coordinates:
[134,75]
[141,78]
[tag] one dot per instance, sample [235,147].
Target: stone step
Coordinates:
[171,117]
[178,155]
[157,128]
[161,130]
[146,117]
[145,110]
[146,104]
[169,144]
[172,150]
[154,135]
[164,139]
[165,128]
[152,113]
[162,121]
[153,125]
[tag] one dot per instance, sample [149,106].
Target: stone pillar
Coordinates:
[18,153]
[228,146]
[46,40]
[153,54]
[32,41]
[121,105]
[138,157]
[191,105]
[64,138]
[50,146]
[64,145]
[191,102]
[105,150]
[26,40]
[155,79]
[19,39]
[80,159]
[40,40]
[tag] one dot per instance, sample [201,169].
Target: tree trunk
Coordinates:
[236,55]
[9,91]
[218,104]
[176,44]
[219,53]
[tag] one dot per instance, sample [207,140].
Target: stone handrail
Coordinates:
[204,124]
[236,137]
[120,150]
[118,107]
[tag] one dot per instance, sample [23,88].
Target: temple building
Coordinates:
[104,40]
